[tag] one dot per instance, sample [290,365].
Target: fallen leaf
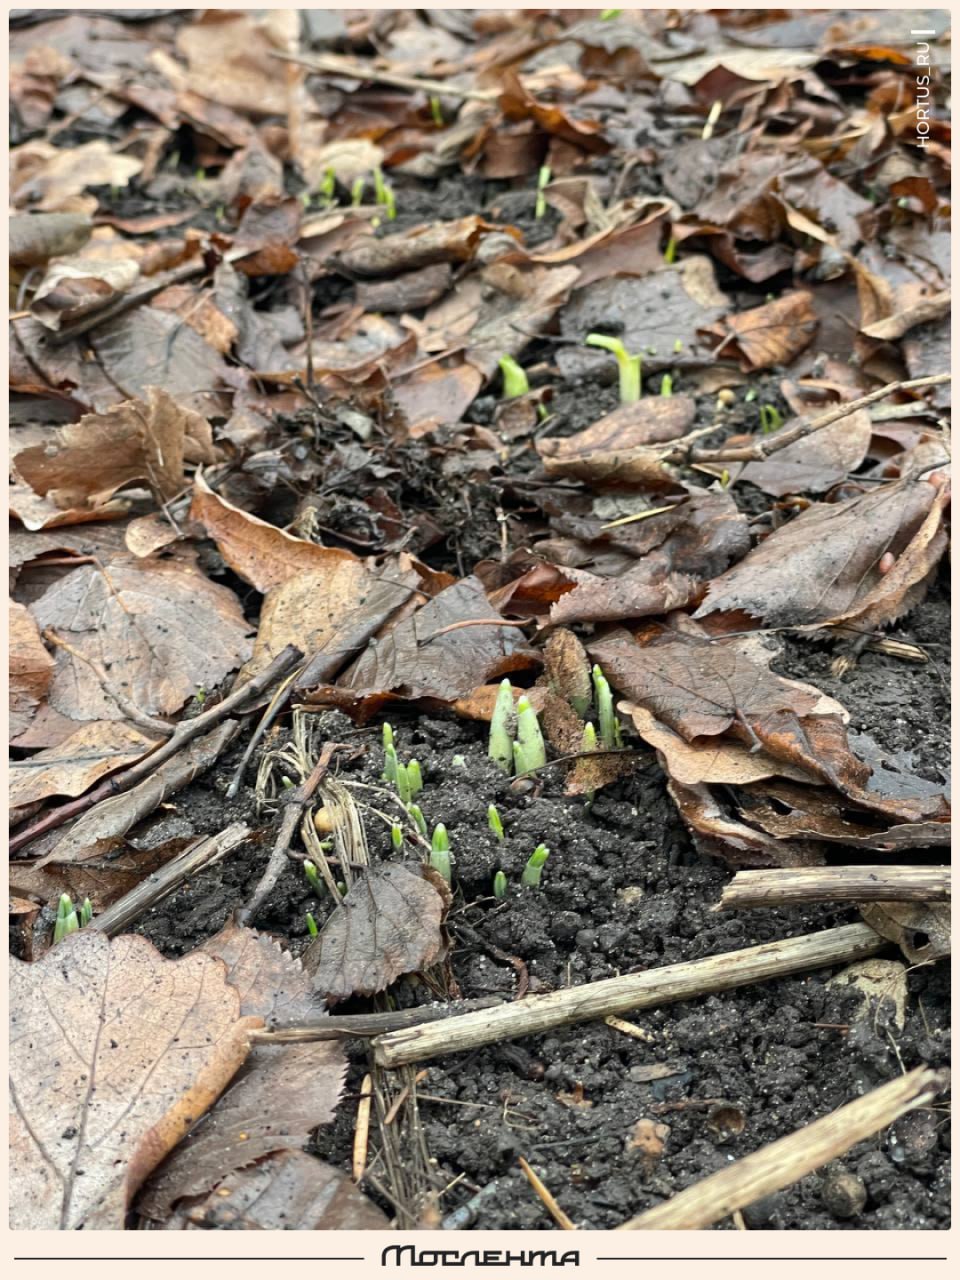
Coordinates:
[920,929]
[517,103]
[816,462]
[769,335]
[619,448]
[96,749]
[390,923]
[290,1191]
[97,1105]
[735,843]
[229,62]
[137,440]
[35,238]
[412,250]
[77,287]
[62,174]
[162,628]
[31,669]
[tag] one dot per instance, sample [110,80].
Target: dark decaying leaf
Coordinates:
[715,832]
[289,1191]
[824,564]
[412,661]
[618,450]
[769,335]
[412,250]
[390,923]
[149,1046]
[282,1092]
[814,463]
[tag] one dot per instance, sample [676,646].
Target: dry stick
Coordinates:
[201,855]
[363,1025]
[361,1137]
[535,1014]
[294,804]
[550,1204]
[337,66]
[273,711]
[836,884]
[781,1163]
[762,446]
[185,732]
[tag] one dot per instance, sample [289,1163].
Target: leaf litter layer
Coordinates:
[266,437]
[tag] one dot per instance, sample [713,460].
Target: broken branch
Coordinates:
[773,887]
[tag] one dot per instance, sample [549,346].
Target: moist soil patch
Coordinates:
[623,891]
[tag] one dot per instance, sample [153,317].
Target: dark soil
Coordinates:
[624,891]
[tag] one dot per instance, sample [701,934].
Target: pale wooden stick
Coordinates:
[770,887]
[785,1161]
[205,853]
[361,1136]
[761,447]
[535,1014]
[546,1195]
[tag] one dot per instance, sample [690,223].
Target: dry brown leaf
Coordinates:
[517,103]
[411,250]
[59,175]
[35,238]
[103,452]
[390,923]
[920,929]
[228,55]
[31,669]
[97,1103]
[618,450]
[816,462]
[102,880]
[161,627]
[721,836]
[260,553]
[77,287]
[769,335]
[282,1092]
[824,564]
[73,767]
[290,1191]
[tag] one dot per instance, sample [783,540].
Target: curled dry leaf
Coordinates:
[920,929]
[282,1092]
[162,628]
[31,669]
[73,766]
[78,287]
[59,175]
[139,440]
[260,553]
[431,655]
[824,565]
[769,335]
[139,1047]
[412,250]
[715,832]
[289,1191]
[619,449]
[390,923]
[517,103]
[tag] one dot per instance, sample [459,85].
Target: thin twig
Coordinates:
[184,733]
[471,622]
[550,1204]
[786,1161]
[364,1025]
[361,1136]
[763,446]
[536,1014]
[330,64]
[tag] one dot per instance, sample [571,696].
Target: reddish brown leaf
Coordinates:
[31,668]
[769,335]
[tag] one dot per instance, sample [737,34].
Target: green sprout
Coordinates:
[629,366]
[286,783]
[200,696]
[514,379]
[666,385]
[387,732]
[607,15]
[384,194]
[677,346]
[403,784]
[589,742]
[724,479]
[328,187]
[458,761]
[437,112]
[771,419]
[500,749]
[86,913]
[312,926]
[396,836]
[670,253]
[390,763]
[419,821]
[494,821]
[499,885]
[66,921]
[440,851]
[200,175]
[313,877]
[534,868]
[356,192]
[609,724]
[543,177]
[532,752]
[414,777]
[750,395]
[517,759]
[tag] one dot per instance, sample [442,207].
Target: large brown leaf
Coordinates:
[290,1191]
[620,448]
[282,1092]
[69,769]
[390,923]
[824,565]
[31,669]
[769,335]
[814,463]
[161,629]
[103,452]
[114,1053]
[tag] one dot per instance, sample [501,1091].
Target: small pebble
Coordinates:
[843,1194]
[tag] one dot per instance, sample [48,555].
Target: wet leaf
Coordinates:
[390,923]
[96,749]
[162,627]
[619,449]
[31,668]
[722,836]
[813,464]
[290,1191]
[412,250]
[98,1100]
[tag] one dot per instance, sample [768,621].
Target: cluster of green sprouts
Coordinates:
[326,192]
[70,918]
[408,780]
